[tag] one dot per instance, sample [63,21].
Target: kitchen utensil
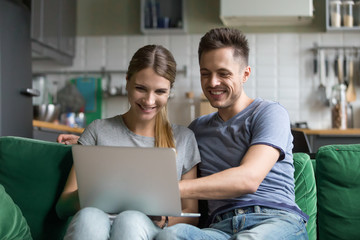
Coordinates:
[327,70]
[315,67]
[46,112]
[345,70]
[336,65]
[315,64]
[339,69]
[350,116]
[350,92]
[322,89]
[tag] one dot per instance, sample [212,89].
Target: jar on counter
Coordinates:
[335,13]
[347,13]
[339,106]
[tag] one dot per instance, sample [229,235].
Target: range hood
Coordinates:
[266,13]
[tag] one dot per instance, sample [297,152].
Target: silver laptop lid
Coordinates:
[115,179]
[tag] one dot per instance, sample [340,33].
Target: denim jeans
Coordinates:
[248,223]
[94,224]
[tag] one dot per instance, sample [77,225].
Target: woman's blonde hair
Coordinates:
[163,63]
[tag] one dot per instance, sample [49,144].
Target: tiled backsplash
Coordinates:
[282,70]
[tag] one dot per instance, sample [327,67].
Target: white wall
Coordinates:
[281,70]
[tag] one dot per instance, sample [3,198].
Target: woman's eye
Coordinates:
[161,92]
[140,88]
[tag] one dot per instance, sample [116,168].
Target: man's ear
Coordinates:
[247,73]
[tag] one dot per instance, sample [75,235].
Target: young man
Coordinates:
[246,151]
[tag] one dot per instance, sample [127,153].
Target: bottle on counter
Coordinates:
[339,107]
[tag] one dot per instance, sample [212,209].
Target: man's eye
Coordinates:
[205,74]
[224,75]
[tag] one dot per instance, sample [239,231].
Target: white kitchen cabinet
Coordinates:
[236,13]
[53,30]
[162,16]
[333,17]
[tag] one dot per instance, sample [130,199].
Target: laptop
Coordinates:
[115,179]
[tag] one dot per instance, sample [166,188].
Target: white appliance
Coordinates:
[266,13]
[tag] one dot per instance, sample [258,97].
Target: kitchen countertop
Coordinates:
[58,127]
[322,137]
[349,131]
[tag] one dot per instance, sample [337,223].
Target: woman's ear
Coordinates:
[127,82]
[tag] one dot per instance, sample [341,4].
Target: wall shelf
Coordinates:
[162,16]
[330,28]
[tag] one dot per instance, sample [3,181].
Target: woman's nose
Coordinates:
[149,99]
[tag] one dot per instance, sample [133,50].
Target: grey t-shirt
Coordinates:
[222,145]
[113,132]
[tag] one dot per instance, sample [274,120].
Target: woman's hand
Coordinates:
[160,221]
[68,139]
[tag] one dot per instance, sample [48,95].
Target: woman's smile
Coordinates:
[146,109]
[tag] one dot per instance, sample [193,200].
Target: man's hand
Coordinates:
[68,139]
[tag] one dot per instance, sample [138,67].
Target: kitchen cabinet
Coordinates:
[237,13]
[68,27]
[162,16]
[53,30]
[335,16]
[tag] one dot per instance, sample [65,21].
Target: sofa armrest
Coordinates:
[33,173]
[305,190]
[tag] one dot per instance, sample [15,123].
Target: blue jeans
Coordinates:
[247,223]
[94,224]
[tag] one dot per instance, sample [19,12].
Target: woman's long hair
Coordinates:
[163,63]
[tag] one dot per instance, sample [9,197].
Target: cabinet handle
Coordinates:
[30,92]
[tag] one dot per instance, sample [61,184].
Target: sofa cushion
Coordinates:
[338,185]
[33,173]
[12,223]
[305,190]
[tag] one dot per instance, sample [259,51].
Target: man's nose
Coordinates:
[214,81]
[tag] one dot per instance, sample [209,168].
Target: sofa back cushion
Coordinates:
[305,190]
[338,186]
[33,173]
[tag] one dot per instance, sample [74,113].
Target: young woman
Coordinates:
[150,77]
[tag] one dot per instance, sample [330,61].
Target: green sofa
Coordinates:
[33,173]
